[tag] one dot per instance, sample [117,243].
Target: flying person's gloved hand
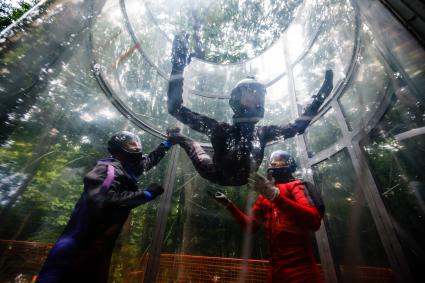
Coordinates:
[327,86]
[220,198]
[180,56]
[153,190]
[174,135]
[261,184]
[169,142]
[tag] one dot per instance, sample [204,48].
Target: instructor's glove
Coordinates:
[167,144]
[180,56]
[260,184]
[153,191]
[220,198]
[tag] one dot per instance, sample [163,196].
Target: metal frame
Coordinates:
[351,140]
[162,218]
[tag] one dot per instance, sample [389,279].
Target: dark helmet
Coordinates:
[281,172]
[247,99]
[125,143]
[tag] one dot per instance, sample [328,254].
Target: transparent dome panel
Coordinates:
[45,154]
[153,42]
[323,133]
[192,250]
[304,27]
[333,49]
[218,80]
[127,72]
[278,106]
[368,87]
[398,168]
[407,51]
[356,243]
[31,46]
[226,31]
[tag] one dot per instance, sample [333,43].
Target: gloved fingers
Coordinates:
[219,195]
[270,178]
[216,195]
[260,178]
[252,176]
[251,182]
[171,133]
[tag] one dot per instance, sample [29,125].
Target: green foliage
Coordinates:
[10,13]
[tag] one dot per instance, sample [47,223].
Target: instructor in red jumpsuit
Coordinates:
[290,220]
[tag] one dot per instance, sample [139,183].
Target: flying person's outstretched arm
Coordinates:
[180,58]
[310,111]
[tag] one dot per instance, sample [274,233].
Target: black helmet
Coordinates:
[283,172]
[247,99]
[125,143]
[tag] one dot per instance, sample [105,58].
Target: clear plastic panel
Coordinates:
[396,43]
[333,49]
[355,240]
[28,51]
[323,133]
[368,86]
[218,80]
[228,31]
[45,154]
[398,168]
[136,82]
[202,240]
[154,42]
[278,106]
[304,27]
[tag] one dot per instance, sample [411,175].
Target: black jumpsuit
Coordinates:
[83,251]
[238,148]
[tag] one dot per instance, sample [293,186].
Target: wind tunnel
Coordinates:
[75,72]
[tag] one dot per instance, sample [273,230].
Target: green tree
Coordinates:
[10,13]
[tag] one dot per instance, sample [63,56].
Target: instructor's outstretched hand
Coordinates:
[261,184]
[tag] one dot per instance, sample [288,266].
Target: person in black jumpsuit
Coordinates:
[83,251]
[238,148]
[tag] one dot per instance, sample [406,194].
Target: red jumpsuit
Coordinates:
[289,219]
